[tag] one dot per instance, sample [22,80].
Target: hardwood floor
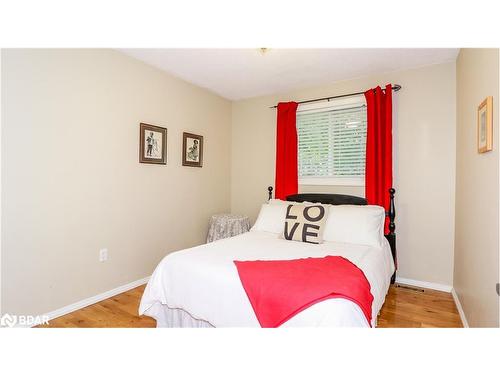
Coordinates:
[408,308]
[118,311]
[403,308]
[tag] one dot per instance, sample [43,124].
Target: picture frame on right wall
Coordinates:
[485,125]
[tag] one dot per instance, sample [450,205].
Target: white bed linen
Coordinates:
[203,281]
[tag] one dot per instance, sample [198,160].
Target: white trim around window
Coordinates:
[340,103]
[338,181]
[311,114]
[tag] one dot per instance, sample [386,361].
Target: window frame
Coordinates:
[333,104]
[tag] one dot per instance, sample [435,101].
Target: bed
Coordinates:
[200,287]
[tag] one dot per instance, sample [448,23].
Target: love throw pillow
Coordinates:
[305,223]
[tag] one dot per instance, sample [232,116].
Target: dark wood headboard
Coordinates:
[335,199]
[338,199]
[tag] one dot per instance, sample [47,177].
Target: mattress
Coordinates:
[200,286]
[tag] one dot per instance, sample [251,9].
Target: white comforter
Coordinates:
[204,282]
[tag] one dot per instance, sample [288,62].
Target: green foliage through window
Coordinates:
[332,143]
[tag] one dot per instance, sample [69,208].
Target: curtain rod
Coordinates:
[394,88]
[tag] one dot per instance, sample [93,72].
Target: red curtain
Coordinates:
[378,174]
[287,179]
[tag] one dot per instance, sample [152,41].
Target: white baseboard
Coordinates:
[424,284]
[459,308]
[92,300]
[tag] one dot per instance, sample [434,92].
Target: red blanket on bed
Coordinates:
[280,289]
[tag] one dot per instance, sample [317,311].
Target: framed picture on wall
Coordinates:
[192,150]
[153,144]
[485,125]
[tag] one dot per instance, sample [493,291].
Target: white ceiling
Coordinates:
[242,73]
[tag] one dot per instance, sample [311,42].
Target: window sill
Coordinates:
[348,181]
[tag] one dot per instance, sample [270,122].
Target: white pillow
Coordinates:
[271,219]
[360,225]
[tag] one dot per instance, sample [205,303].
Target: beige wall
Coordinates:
[477,226]
[72,183]
[424,166]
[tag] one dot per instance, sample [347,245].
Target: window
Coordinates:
[332,142]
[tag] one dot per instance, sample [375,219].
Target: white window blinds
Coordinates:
[332,142]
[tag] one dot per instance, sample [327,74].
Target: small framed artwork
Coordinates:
[153,144]
[485,125]
[192,150]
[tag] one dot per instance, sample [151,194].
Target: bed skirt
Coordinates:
[167,317]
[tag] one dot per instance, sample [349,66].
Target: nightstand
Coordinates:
[227,225]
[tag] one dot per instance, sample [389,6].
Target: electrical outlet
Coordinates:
[103,255]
